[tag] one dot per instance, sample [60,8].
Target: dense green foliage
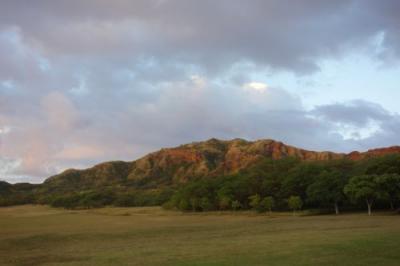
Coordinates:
[328,189]
[295,203]
[106,197]
[17,194]
[291,184]
[268,203]
[365,187]
[269,184]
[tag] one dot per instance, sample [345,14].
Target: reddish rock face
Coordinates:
[167,156]
[355,155]
[212,157]
[384,151]
[224,157]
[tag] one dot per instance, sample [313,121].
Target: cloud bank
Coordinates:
[87,81]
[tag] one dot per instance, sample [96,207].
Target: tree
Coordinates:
[299,178]
[236,205]
[327,189]
[268,203]
[389,184]
[183,205]
[205,204]
[295,203]
[195,203]
[363,187]
[254,201]
[224,196]
[224,202]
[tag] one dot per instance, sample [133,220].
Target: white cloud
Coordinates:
[8,167]
[81,89]
[5,130]
[256,86]
[351,132]
[198,81]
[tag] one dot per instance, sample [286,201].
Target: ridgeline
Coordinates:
[213,174]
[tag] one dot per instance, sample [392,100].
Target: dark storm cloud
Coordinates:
[358,113]
[211,34]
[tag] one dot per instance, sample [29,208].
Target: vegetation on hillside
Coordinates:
[291,184]
[226,175]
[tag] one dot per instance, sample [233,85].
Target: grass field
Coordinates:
[39,235]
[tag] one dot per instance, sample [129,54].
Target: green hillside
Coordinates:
[218,174]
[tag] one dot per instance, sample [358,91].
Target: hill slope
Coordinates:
[198,159]
[153,178]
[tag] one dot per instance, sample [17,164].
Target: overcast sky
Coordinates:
[83,82]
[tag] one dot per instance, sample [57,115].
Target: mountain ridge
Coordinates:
[155,177]
[203,158]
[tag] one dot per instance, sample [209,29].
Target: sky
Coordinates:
[86,81]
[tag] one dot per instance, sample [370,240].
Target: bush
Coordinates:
[267,204]
[295,203]
[236,205]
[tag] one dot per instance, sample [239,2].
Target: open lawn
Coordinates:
[39,235]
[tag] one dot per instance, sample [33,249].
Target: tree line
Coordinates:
[270,185]
[291,184]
